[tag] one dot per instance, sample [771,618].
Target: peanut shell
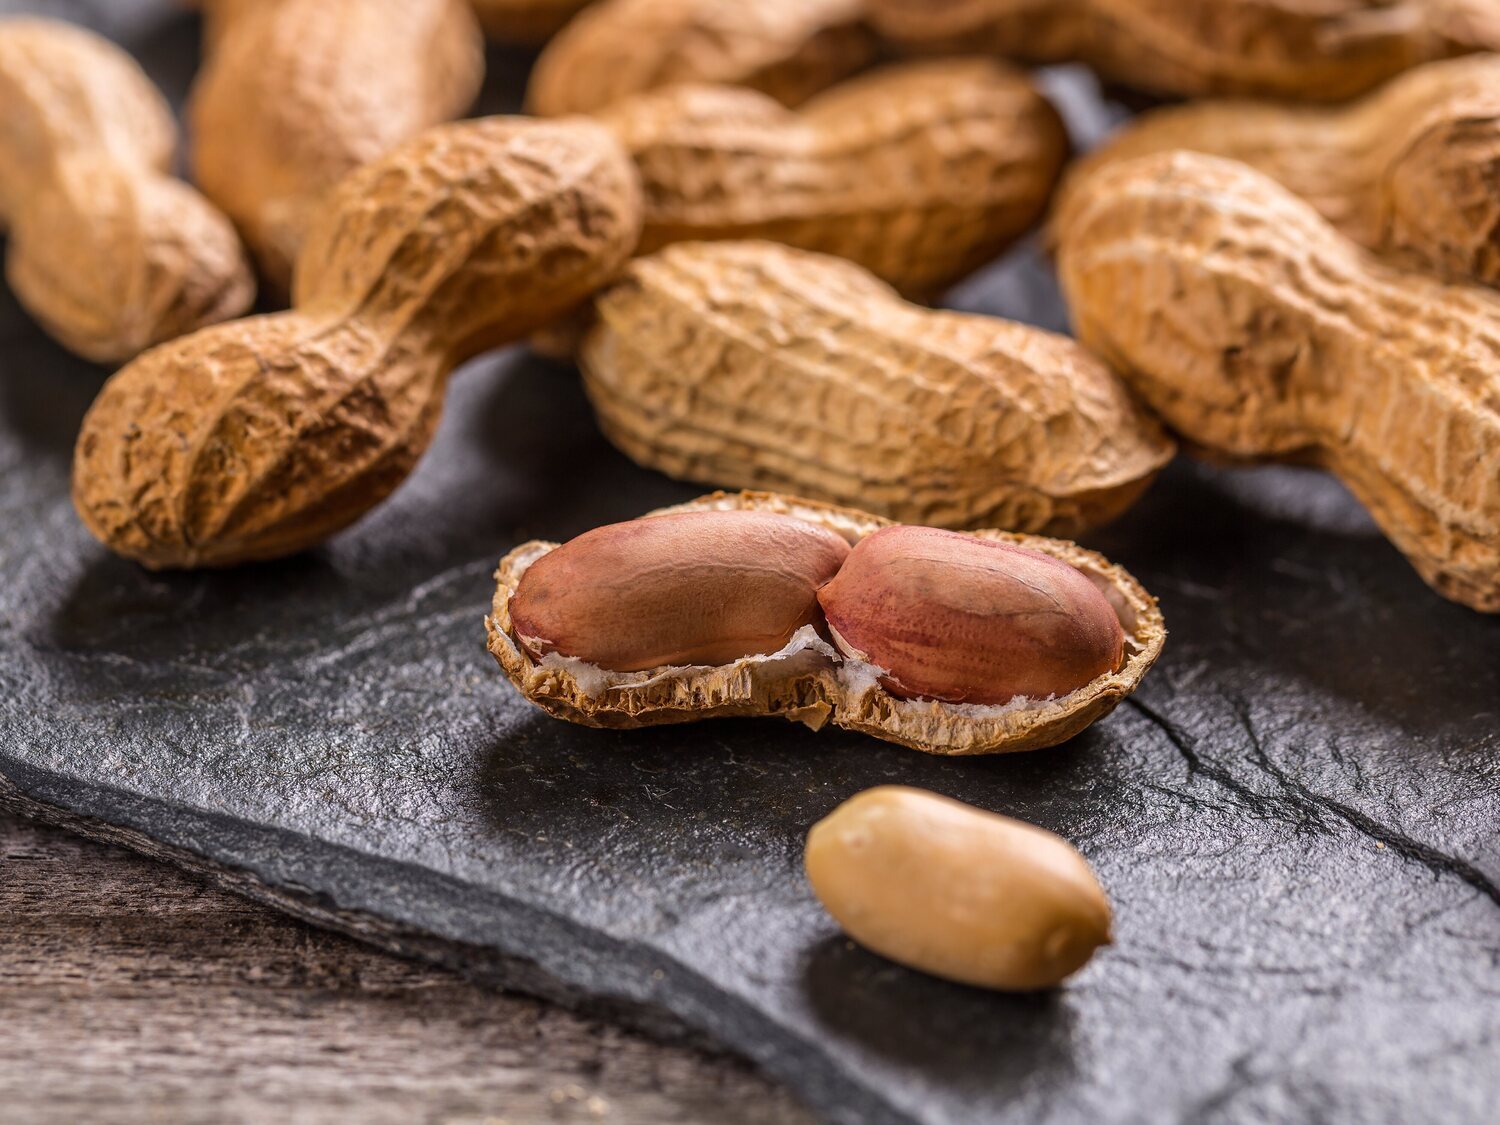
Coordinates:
[807,681]
[1306,50]
[1259,332]
[919,172]
[789,49]
[261,437]
[754,365]
[107,251]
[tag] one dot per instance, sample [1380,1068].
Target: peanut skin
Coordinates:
[920,172]
[788,49]
[1307,50]
[295,94]
[758,366]
[1412,171]
[107,251]
[1259,332]
[954,618]
[261,437]
[955,891]
[696,588]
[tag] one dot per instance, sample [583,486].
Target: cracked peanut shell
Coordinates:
[808,681]
[752,365]
[1258,332]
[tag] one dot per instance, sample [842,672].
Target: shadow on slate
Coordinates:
[1297,817]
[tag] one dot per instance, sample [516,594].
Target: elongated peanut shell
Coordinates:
[295,94]
[789,49]
[920,172]
[807,681]
[1257,331]
[955,891]
[107,251]
[681,589]
[951,617]
[755,365]
[264,436]
[1309,50]
[1412,171]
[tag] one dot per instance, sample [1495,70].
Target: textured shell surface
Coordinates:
[920,172]
[261,437]
[1257,331]
[754,365]
[808,681]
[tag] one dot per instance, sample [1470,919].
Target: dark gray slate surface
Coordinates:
[1298,819]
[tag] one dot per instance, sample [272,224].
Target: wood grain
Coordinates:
[133,992]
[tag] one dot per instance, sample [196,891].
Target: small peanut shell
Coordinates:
[682,589]
[807,680]
[966,620]
[955,891]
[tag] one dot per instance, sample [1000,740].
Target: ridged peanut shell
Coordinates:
[807,682]
[750,364]
[295,94]
[955,891]
[683,588]
[1411,171]
[1257,331]
[919,172]
[261,437]
[789,49]
[107,251]
[1305,50]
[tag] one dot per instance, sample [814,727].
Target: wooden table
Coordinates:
[132,992]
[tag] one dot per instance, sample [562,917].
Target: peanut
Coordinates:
[261,437]
[108,252]
[295,94]
[955,891]
[525,21]
[712,609]
[755,365]
[683,589]
[1310,50]
[1257,331]
[920,173]
[963,620]
[1412,171]
[789,49]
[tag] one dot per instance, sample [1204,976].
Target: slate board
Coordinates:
[1296,818]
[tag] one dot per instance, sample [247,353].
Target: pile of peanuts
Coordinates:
[735,215]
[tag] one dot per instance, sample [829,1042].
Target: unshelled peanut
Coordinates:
[950,617]
[295,94]
[107,251]
[681,589]
[260,437]
[746,604]
[789,49]
[1411,171]
[920,173]
[1258,331]
[525,21]
[758,366]
[1311,50]
[956,891]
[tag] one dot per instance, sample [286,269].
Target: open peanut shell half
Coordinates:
[809,680]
